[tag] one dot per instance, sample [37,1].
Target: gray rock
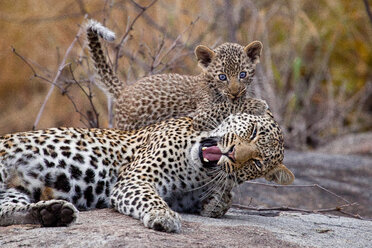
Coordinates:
[360,143]
[106,228]
[349,176]
[304,230]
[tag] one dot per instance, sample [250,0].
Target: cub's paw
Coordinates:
[163,220]
[257,106]
[54,213]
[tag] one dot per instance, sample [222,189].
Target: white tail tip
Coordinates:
[101,30]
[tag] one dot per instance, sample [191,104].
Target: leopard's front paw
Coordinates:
[163,220]
[54,213]
[258,107]
[216,206]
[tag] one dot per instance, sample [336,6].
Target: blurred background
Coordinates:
[315,70]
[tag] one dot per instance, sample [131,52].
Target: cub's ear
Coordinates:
[253,51]
[281,175]
[204,55]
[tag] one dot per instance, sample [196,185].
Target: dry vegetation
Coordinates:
[315,70]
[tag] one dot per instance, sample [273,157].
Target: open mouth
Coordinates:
[210,153]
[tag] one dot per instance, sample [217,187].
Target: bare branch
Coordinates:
[92,115]
[175,42]
[35,74]
[63,91]
[231,26]
[301,186]
[123,38]
[314,211]
[61,66]
[30,66]
[286,208]
[54,83]
[82,7]
[368,9]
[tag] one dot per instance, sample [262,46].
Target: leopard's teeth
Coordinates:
[206,160]
[204,148]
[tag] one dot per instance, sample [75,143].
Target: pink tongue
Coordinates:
[212,153]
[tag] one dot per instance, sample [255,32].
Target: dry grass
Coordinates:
[315,71]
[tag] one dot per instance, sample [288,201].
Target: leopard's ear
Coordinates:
[281,175]
[204,55]
[253,51]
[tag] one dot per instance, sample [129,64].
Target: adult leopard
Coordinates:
[149,174]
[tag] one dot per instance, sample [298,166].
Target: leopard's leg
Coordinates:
[16,208]
[207,119]
[207,115]
[253,106]
[217,204]
[140,200]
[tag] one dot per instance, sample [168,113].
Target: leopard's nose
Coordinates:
[234,90]
[231,153]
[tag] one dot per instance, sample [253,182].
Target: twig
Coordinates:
[60,68]
[175,42]
[231,26]
[158,62]
[93,116]
[337,208]
[314,211]
[82,8]
[85,119]
[155,57]
[366,4]
[285,208]
[106,12]
[29,65]
[123,38]
[301,186]
[357,216]
[136,60]
[63,91]
[266,72]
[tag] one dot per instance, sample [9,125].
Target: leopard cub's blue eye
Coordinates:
[243,74]
[222,77]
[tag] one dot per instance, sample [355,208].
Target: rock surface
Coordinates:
[360,143]
[106,228]
[348,176]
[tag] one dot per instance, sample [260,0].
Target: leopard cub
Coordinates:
[227,72]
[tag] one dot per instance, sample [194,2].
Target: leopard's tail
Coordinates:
[107,80]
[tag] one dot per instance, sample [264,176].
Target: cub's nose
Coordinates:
[234,90]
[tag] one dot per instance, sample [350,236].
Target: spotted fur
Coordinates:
[160,97]
[150,174]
